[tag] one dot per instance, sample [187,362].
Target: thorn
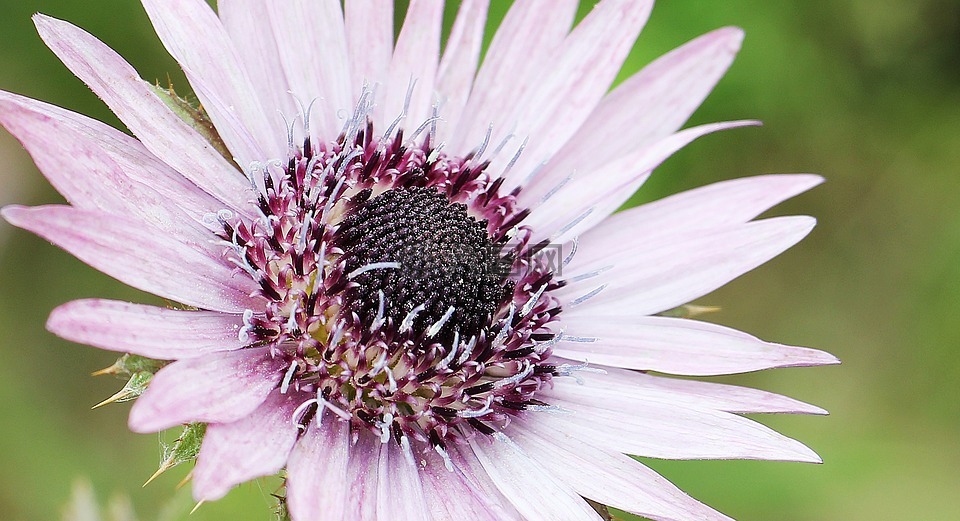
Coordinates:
[694,310]
[165,466]
[113,369]
[195,508]
[186,479]
[120,395]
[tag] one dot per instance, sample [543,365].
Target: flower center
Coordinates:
[450,277]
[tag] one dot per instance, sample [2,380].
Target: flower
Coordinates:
[401,276]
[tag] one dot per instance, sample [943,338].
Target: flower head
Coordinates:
[401,275]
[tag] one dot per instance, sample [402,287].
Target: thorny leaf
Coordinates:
[134,387]
[128,365]
[194,116]
[184,449]
[689,311]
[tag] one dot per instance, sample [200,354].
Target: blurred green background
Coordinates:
[865,92]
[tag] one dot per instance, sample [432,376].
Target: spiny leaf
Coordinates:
[689,311]
[128,365]
[134,387]
[194,116]
[184,449]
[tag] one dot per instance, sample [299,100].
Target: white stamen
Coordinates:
[505,330]
[423,126]
[334,197]
[333,408]
[476,413]
[385,427]
[574,246]
[571,370]
[580,300]
[453,351]
[553,191]
[446,457]
[573,223]
[528,307]
[377,322]
[407,453]
[467,350]
[590,274]
[580,339]
[515,157]
[407,323]
[552,409]
[373,266]
[483,144]
[297,415]
[438,325]
[517,378]
[288,377]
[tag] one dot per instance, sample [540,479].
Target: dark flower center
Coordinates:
[450,273]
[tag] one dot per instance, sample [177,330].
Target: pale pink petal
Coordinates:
[476,478]
[362,478]
[256,445]
[664,429]
[451,495]
[534,492]
[81,165]
[316,473]
[592,195]
[696,393]
[566,95]
[414,64]
[194,36]
[523,47]
[138,107]
[139,255]
[675,345]
[609,478]
[399,493]
[215,388]
[713,206]
[369,41]
[160,333]
[653,277]
[459,64]
[313,50]
[649,106]
[256,46]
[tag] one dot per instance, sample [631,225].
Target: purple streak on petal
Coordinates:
[399,492]
[415,60]
[160,333]
[609,478]
[458,67]
[362,478]
[138,107]
[676,345]
[649,106]
[313,50]
[531,488]
[317,487]
[141,256]
[215,388]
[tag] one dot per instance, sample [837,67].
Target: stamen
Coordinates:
[407,322]
[580,300]
[373,266]
[438,325]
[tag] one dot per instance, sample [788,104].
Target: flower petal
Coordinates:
[140,255]
[362,479]
[452,495]
[609,478]
[256,445]
[572,87]
[194,36]
[534,492]
[665,429]
[591,196]
[676,346]
[316,488]
[399,493]
[653,277]
[215,388]
[256,47]
[709,207]
[313,49]
[369,41]
[649,106]
[459,64]
[160,333]
[414,64]
[96,167]
[135,103]
[522,48]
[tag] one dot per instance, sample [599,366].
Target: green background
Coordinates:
[865,92]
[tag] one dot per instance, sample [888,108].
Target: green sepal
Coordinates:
[184,449]
[195,116]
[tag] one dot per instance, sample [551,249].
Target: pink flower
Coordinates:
[401,276]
